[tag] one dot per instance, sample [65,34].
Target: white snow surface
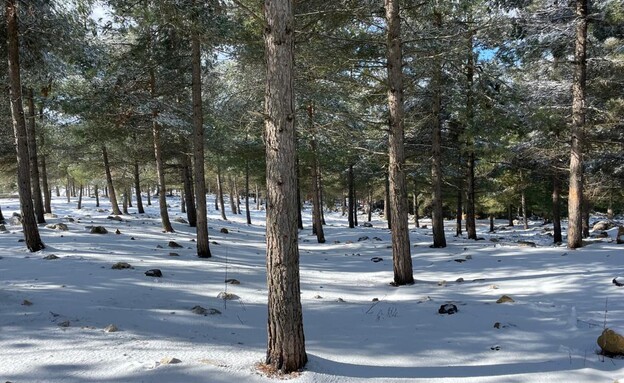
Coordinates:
[548,334]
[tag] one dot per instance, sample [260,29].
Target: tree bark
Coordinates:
[387,211]
[459,210]
[299,205]
[237,196]
[317,225]
[355,207]
[510,215]
[125,202]
[350,197]
[286,342]
[80,197]
[97,195]
[585,216]
[370,205]
[232,192]
[220,192]
[247,211]
[556,209]
[401,257]
[31,137]
[416,205]
[491,223]
[575,195]
[160,168]
[523,202]
[471,224]
[47,192]
[137,188]
[437,215]
[320,186]
[203,249]
[471,219]
[189,190]
[109,182]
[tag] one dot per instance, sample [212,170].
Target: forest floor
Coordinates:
[53,313]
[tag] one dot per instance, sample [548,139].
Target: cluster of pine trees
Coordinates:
[469,108]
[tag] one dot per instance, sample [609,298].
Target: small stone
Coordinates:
[459,280]
[619,281]
[159,247]
[367,224]
[611,342]
[340,300]
[26,302]
[132,238]
[50,257]
[227,296]
[375,300]
[497,325]
[117,232]
[376,259]
[58,226]
[364,238]
[64,324]
[121,265]
[111,328]
[468,257]
[199,310]
[174,244]
[505,299]
[460,260]
[154,273]
[377,239]
[174,254]
[526,244]
[3,228]
[115,218]
[232,281]
[318,297]
[212,311]
[170,360]
[495,348]
[448,308]
[423,227]
[180,220]
[214,242]
[442,283]
[98,230]
[224,230]
[495,240]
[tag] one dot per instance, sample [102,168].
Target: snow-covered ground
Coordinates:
[53,312]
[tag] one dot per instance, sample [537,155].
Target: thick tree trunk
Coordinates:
[109,182]
[286,342]
[31,136]
[416,205]
[575,196]
[160,167]
[401,257]
[129,193]
[350,197]
[437,215]
[2,220]
[471,224]
[317,225]
[556,209]
[189,190]
[137,188]
[247,211]
[203,249]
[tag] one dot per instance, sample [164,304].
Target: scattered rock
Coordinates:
[154,273]
[50,257]
[447,308]
[117,232]
[459,280]
[493,287]
[173,244]
[115,218]
[423,227]
[618,281]
[349,242]
[98,230]
[468,257]
[121,265]
[495,348]
[111,328]
[170,360]
[64,324]
[132,238]
[497,325]
[480,239]
[50,215]
[603,225]
[375,300]
[505,299]
[459,260]
[174,254]
[376,259]
[214,242]
[442,283]
[377,239]
[180,220]
[16,219]
[336,242]
[159,247]
[495,240]
[526,244]
[58,226]
[611,342]
[232,281]
[101,210]
[224,230]
[364,238]
[227,296]
[202,311]
[3,228]
[26,302]
[367,224]
[318,297]
[340,300]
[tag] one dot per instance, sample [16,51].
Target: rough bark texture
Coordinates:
[575,196]
[286,342]
[402,259]
[137,188]
[80,197]
[47,193]
[109,182]
[203,249]
[31,135]
[525,218]
[220,193]
[97,195]
[351,197]
[437,215]
[556,210]
[160,169]
[29,224]
[247,211]
[471,224]
[510,215]
[317,225]
[387,211]
[299,205]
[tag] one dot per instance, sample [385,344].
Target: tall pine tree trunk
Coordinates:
[220,192]
[523,204]
[575,196]
[203,250]
[109,182]
[401,257]
[160,166]
[437,215]
[556,209]
[47,192]
[299,205]
[29,223]
[317,225]
[80,197]
[137,187]
[350,196]
[286,342]
[97,195]
[387,211]
[189,190]
[471,224]
[31,136]
[247,212]
[471,220]
[459,209]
